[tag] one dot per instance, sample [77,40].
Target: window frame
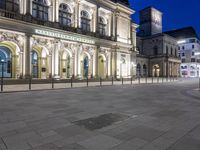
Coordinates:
[65,16]
[44,12]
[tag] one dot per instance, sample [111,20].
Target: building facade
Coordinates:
[66,38]
[157,51]
[189,51]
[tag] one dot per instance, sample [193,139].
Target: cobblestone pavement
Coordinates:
[139,117]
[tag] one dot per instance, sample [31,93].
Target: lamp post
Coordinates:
[2,61]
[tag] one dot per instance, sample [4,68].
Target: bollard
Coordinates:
[199,84]
[87,81]
[100,82]
[139,80]
[2,84]
[157,79]
[71,82]
[152,79]
[30,82]
[122,81]
[131,80]
[52,81]
[112,80]
[162,79]
[146,80]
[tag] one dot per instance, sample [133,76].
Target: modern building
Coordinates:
[66,38]
[157,51]
[189,51]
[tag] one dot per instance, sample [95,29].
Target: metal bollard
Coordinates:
[112,81]
[199,84]
[30,83]
[122,81]
[71,82]
[52,81]
[87,82]
[2,84]
[100,82]
[139,80]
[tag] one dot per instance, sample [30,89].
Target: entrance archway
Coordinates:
[65,61]
[6,58]
[35,64]
[101,65]
[156,70]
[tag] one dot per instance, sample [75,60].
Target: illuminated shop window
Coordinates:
[40,10]
[65,16]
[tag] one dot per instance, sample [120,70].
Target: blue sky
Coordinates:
[176,13]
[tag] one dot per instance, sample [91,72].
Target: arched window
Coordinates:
[65,15]
[171,51]
[102,26]
[10,5]
[40,10]
[144,70]
[167,50]
[155,50]
[85,21]
[138,71]
[34,64]
[6,61]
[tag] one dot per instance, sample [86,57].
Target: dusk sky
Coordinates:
[176,13]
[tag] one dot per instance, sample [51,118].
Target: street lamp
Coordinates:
[2,71]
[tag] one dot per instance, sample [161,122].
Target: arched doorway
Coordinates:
[65,65]
[156,70]
[85,66]
[101,65]
[6,61]
[35,64]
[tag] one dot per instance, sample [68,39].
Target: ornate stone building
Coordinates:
[66,38]
[158,52]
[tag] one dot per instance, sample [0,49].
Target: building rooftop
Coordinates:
[183,33]
[123,2]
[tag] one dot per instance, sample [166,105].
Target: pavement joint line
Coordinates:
[4,143]
[182,136]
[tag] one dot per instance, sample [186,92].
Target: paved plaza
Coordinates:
[161,116]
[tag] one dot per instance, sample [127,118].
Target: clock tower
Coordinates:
[150,22]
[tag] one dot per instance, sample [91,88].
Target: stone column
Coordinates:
[27,57]
[97,61]
[97,18]
[56,59]
[76,14]
[78,63]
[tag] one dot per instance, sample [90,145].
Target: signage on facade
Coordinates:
[63,36]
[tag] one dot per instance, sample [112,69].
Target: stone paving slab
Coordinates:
[160,117]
